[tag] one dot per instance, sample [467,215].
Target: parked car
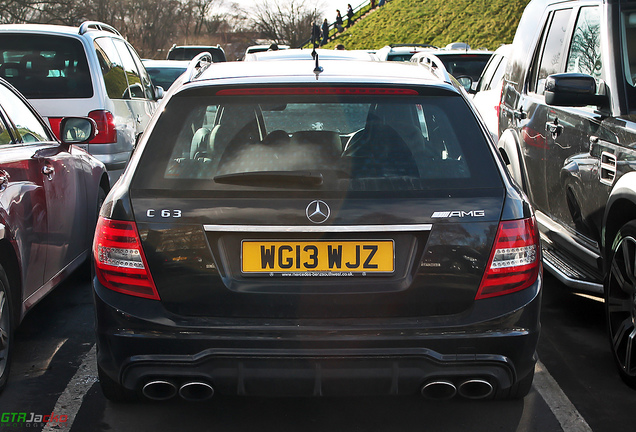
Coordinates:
[567,127]
[306,54]
[87,71]
[188,52]
[164,72]
[287,231]
[487,90]
[261,48]
[50,194]
[460,63]
[402,52]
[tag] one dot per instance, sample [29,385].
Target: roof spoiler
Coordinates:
[87,26]
[197,65]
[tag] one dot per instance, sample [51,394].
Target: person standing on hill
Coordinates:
[325,32]
[349,15]
[339,21]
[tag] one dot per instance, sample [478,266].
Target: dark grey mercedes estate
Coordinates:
[292,228]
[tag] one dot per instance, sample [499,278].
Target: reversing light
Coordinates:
[327,91]
[514,262]
[120,263]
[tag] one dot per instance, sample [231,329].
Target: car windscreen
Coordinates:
[164,76]
[188,53]
[44,66]
[318,141]
[470,65]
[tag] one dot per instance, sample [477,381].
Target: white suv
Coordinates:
[87,71]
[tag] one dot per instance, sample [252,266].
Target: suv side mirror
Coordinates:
[159,92]
[572,89]
[77,130]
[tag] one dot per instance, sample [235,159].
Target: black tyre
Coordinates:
[620,302]
[6,328]
[114,391]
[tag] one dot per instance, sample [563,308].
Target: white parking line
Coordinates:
[71,399]
[565,412]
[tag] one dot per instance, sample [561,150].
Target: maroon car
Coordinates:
[50,193]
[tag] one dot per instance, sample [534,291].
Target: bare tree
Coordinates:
[283,21]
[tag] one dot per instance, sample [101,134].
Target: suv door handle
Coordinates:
[519,114]
[48,171]
[554,128]
[4,180]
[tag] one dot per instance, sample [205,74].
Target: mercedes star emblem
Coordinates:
[318,211]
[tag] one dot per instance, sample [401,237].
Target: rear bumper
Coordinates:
[276,358]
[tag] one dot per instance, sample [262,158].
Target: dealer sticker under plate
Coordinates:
[318,257]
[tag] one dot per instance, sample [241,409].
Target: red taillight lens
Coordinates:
[55,125]
[106,132]
[120,263]
[514,262]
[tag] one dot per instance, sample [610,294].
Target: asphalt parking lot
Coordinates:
[575,387]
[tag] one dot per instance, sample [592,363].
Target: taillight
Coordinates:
[514,262]
[120,263]
[106,132]
[55,125]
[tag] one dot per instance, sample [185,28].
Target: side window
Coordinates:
[550,61]
[27,123]
[585,50]
[145,78]
[491,68]
[5,138]
[135,87]
[112,68]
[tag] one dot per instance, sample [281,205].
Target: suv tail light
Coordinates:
[514,262]
[120,263]
[106,132]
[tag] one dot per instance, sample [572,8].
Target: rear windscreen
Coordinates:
[45,67]
[332,143]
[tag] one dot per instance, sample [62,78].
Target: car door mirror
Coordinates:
[466,82]
[77,130]
[572,89]
[159,92]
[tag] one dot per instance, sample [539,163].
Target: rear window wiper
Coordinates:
[272,178]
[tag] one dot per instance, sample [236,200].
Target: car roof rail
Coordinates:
[197,65]
[431,62]
[87,26]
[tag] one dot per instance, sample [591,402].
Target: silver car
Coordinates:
[87,71]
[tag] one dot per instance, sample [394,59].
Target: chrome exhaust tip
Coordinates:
[196,391]
[475,389]
[159,390]
[439,390]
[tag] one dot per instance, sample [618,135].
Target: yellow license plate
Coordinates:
[317,258]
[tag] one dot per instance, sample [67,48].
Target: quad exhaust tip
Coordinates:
[475,389]
[159,390]
[196,391]
[442,389]
[439,390]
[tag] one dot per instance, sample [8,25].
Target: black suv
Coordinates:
[287,228]
[567,131]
